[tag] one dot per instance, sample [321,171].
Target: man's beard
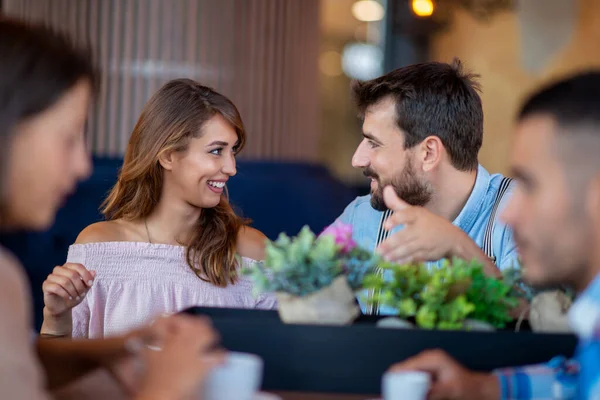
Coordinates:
[406,184]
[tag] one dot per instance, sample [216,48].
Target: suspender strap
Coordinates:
[488,247]
[382,234]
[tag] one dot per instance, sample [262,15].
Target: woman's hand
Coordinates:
[64,288]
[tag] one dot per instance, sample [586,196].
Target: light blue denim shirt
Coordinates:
[473,219]
[561,378]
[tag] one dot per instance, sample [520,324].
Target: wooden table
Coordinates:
[322,396]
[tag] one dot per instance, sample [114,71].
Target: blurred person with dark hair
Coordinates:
[555,214]
[46,86]
[423,129]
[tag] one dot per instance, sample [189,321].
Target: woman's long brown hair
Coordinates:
[174,115]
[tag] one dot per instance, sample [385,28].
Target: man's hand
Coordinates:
[425,236]
[450,380]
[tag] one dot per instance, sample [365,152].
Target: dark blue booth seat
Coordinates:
[278,197]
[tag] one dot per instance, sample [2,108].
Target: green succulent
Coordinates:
[305,264]
[446,296]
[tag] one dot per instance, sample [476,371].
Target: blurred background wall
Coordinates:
[517,50]
[260,53]
[287,64]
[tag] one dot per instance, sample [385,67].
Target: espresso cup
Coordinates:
[405,385]
[238,378]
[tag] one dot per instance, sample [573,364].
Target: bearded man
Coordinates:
[422,132]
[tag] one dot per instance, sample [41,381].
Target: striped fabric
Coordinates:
[382,234]
[556,380]
[260,53]
[488,247]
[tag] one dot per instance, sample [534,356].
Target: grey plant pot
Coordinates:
[333,305]
[548,312]
[476,325]
[394,323]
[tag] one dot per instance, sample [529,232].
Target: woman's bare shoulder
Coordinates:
[251,243]
[109,231]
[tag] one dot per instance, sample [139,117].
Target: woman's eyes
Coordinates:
[219,151]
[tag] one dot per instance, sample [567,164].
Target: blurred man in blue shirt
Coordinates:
[555,214]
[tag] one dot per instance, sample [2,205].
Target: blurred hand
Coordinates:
[450,380]
[66,287]
[186,352]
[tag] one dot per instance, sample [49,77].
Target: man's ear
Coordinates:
[431,152]
[166,159]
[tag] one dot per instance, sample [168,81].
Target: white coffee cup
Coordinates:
[239,378]
[405,385]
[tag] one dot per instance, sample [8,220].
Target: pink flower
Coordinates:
[342,234]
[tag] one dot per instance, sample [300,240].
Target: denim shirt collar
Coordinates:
[468,215]
[584,315]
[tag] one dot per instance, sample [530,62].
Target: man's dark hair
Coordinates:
[571,102]
[432,99]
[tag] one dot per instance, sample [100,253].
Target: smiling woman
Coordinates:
[171,239]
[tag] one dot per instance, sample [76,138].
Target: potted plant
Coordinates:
[457,295]
[548,308]
[315,278]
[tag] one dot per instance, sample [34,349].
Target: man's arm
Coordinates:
[465,248]
[554,380]
[427,237]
